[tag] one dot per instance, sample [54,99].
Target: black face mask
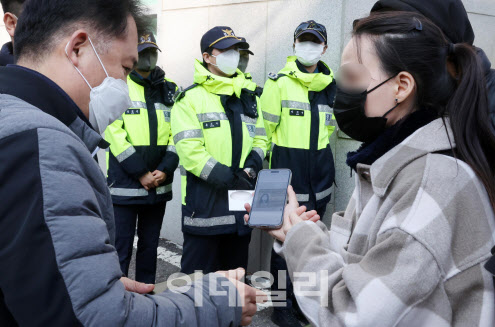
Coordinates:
[243,63]
[351,118]
[147,61]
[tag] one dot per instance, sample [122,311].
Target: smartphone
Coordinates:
[270,198]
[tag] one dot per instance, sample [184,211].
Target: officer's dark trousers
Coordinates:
[277,264]
[149,223]
[213,253]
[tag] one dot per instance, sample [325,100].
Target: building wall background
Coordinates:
[268,26]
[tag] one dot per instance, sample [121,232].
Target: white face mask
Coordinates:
[228,61]
[108,101]
[308,53]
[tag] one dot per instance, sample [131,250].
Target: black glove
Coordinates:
[243,182]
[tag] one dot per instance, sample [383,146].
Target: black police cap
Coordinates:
[311,27]
[221,37]
[147,40]
[246,49]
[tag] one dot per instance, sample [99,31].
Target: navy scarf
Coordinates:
[368,153]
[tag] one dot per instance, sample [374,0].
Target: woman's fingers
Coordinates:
[302,209]
[295,218]
[311,215]
[292,197]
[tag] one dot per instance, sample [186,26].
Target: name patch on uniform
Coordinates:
[133,111]
[211,124]
[294,112]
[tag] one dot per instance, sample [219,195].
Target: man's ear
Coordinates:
[207,57]
[325,49]
[10,21]
[77,45]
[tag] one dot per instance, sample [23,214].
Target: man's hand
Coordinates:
[293,214]
[160,176]
[148,181]
[137,287]
[249,295]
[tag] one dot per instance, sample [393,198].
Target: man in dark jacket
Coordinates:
[452,18]
[12,9]
[141,162]
[58,265]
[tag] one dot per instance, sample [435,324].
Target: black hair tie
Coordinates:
[451,49]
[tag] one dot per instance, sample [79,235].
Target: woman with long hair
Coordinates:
[411,246]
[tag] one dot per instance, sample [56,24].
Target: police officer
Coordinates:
[297,109]
[142,161]
[243,64]
[220,137]
[244,59]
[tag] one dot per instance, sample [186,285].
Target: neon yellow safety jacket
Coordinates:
[141,141]
[219,131]
[298,115]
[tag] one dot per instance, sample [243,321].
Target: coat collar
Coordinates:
[431,138]
[156,77]
[42,93]
[7,54]
[314,82]
[221,85]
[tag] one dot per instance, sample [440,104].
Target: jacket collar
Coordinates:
[42,93]
[221,85]
[314,82]
[430,139]
[7,54]
[156,77]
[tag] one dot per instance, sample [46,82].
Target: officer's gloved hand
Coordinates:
[243,182]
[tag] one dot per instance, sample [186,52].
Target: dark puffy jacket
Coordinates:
[6,54]
[58,265]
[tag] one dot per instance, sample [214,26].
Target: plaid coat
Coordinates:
[408,251]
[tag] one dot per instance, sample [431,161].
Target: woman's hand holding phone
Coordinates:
[293,215]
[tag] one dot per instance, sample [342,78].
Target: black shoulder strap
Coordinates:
[181,93]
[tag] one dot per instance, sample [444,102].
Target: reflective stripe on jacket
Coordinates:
[218,130]
[298,113]
[141,141]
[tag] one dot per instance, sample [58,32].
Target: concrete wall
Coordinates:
[268,26]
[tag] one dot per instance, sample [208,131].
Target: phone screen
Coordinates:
[270,198]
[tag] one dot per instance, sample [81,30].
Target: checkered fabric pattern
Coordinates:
[410,248]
